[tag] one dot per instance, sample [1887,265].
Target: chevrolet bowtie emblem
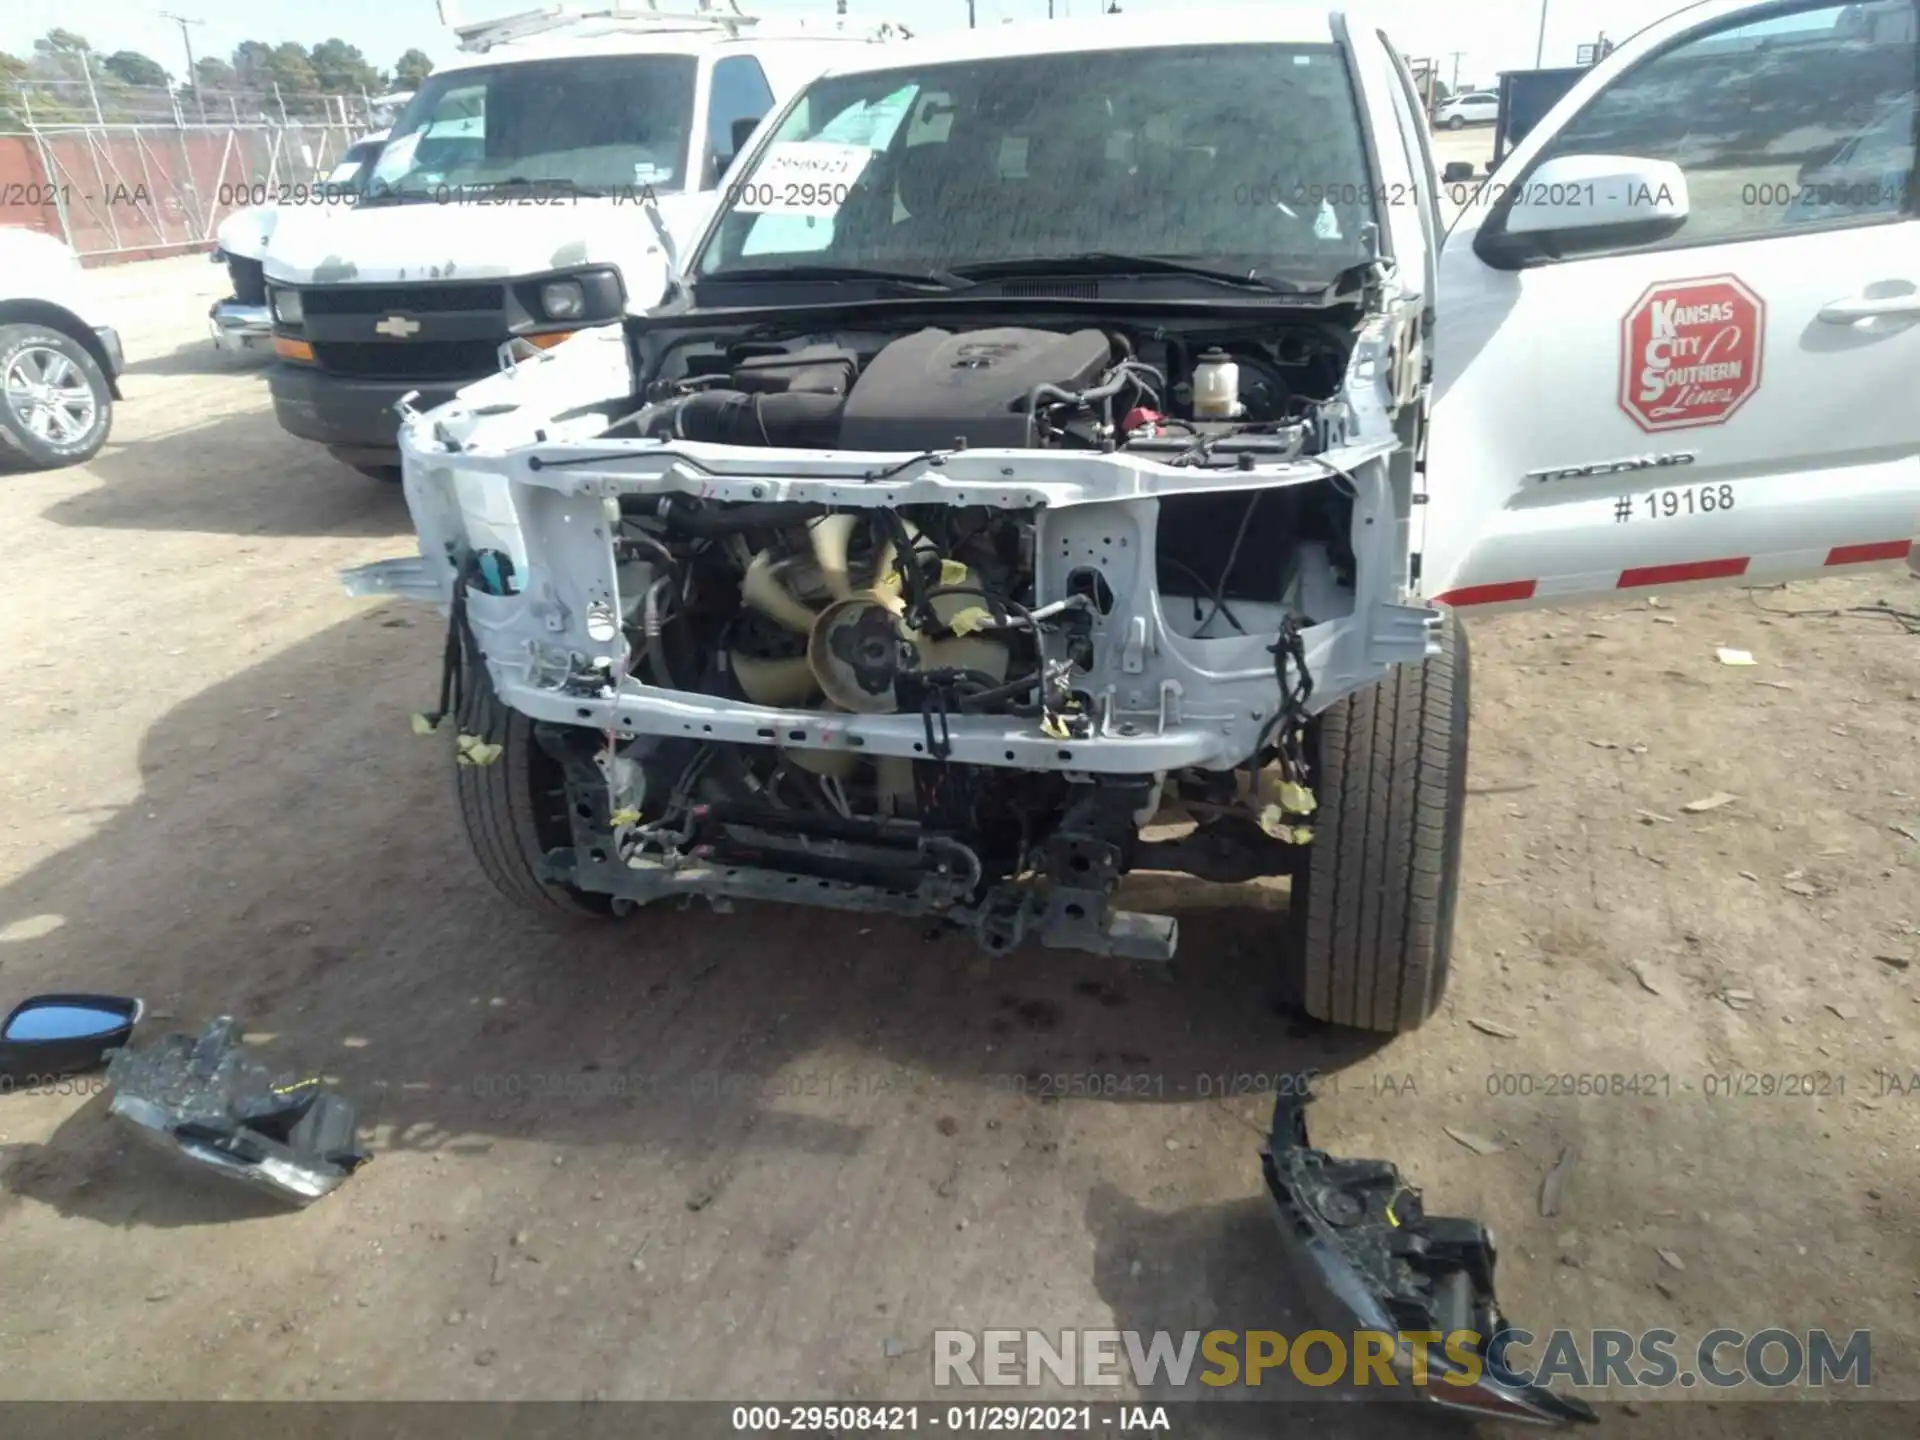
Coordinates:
[398,326]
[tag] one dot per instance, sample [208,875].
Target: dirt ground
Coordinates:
[209,796]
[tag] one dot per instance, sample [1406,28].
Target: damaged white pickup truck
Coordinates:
[1066,426]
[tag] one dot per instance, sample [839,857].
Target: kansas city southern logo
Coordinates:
[1690,352]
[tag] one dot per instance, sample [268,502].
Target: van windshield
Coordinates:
[1246,158]
[601,124]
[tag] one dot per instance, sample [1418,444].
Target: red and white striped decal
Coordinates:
[1729,568]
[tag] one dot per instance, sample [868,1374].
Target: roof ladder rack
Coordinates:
[619,15]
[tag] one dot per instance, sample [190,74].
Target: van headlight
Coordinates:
[286,307]
[563,300]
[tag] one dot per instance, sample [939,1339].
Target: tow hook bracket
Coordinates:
[1368,1257]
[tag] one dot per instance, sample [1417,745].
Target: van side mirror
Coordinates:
[1575,204]
[738,134]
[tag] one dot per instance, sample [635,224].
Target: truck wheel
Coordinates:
[515,809]
[55,405]
[1370,920]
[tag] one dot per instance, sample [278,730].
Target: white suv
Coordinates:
[60,361]
[1476,107]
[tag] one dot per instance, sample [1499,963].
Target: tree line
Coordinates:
[64,74]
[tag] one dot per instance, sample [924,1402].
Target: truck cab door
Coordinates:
[1679,328]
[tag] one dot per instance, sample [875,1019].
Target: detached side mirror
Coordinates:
[54,1035]
[1576,204]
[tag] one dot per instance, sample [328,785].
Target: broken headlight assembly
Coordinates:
[1370,1259]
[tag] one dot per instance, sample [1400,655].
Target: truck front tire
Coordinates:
[514,809]
[56,406]
[1370,920]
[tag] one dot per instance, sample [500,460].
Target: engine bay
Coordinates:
[1198,396]
[950,613]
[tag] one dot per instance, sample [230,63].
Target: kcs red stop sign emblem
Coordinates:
[1690,352]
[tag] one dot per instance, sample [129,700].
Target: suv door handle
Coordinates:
[1860,307]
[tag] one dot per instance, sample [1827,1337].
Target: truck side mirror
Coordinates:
[1575,204]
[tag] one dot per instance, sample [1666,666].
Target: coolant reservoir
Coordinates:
[1216,387]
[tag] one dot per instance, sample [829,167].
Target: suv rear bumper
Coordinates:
[335,410]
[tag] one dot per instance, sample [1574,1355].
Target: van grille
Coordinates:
[412,299]
[415,360]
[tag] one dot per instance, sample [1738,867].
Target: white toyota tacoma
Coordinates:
[1063,426]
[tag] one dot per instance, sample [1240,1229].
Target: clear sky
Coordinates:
[1493,35]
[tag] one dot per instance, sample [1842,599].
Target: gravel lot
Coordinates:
[209,795]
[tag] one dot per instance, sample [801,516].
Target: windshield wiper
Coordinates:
[920,279]
[1112,262]
[460,190]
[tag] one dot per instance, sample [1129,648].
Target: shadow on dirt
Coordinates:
[287,486]
[1213,1268]
[66,1173]
[203,357]
[307,876]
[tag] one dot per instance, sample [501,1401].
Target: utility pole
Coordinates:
[972,20]
[1540,45]
[187,40]
[1453,86]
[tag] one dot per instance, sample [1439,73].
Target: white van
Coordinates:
[532,188]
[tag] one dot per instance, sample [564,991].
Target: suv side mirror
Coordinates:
[1573,204]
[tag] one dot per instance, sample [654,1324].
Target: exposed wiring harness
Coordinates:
[1285,732]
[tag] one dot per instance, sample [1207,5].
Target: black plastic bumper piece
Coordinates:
[337,410]
[1367,1257]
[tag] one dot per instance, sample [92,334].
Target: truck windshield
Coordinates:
[602,124]
[1243,158]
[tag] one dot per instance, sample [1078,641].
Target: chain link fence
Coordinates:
[126,171]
